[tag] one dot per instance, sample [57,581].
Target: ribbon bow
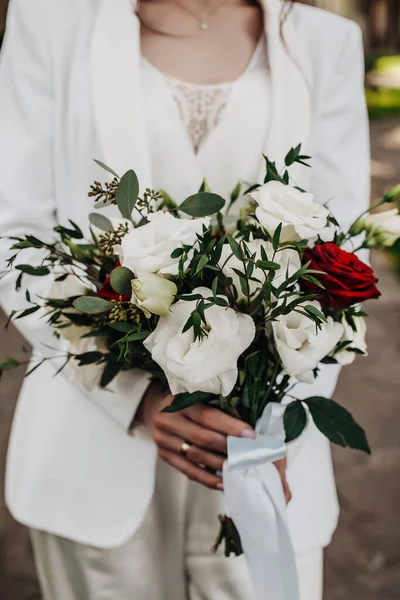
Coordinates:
[256,503]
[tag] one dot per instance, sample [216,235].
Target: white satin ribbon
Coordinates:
[256,502]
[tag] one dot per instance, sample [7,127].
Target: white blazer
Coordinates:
[70,92]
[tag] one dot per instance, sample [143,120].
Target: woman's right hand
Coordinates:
[202,428]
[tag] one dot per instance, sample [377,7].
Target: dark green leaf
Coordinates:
[27,312]
[138,337]
[214,286]
[93,305]
[127,194]
[337,424]
[277,237]
[315,312]
[122,327]
[292,155]
[100,221]
[202,204]
[121,281]
[177,253]
[111,370]
[235,247]
[35,271]
[295,420]
[236,193]
[88,358]
[185,400]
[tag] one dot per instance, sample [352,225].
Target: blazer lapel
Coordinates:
[290,117]
[117,89]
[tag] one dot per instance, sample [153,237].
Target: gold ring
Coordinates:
[185,448]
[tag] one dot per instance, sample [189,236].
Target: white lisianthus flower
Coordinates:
[153,294]
[357,338]
[288,259]
[149,248]
[301,217]
[208,364]
[301,346]
[383,227]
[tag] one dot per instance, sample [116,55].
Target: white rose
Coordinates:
[301,217]
[383,227]
[208,364]
[149,248]
[357,339]
[153,294]
[301,346]
[288,259]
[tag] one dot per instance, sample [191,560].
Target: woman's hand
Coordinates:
[194,440]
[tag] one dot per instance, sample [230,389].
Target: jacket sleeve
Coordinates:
[27,199]
[341,161]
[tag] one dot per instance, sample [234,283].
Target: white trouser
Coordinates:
[169,558]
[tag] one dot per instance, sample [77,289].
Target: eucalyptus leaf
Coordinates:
[121,281]
[93,305]
[203,204]
[100,221]
[106,168]
[35,271]
[127,194]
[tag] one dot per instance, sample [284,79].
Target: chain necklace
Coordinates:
[203,20]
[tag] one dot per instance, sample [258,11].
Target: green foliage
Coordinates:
[203,204]
[337,424]
[185,400]
[121,281]
[127,194]
[93,305]
[295,420]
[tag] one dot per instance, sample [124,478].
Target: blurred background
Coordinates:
[363,563]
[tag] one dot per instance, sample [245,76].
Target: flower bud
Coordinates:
[153,294]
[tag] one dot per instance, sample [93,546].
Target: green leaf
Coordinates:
[269,265]
[214,286]
[204,186]
[202,204]
[203,261]
[236,193]
[88,358]
[185,400]
[111,370]
[27,312]
[122,327]
[292,155]
[277,237]
[9,363]
[100,221]
[177,253]
[108,169]
[295,420]
[138,337]
[35,271]
[313,280]
[315,312]
[337,424]
[127,194]
[121,281]
[93,305]
[235,247]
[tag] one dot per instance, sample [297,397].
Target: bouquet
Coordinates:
[228,311]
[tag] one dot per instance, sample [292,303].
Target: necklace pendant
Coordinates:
[203,25]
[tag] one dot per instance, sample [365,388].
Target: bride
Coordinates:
[179,90]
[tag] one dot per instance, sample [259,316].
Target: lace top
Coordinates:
[213,132]
[201,106]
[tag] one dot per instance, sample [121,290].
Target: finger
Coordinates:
[196,455]
[193,472]
[180,426]
[217,420]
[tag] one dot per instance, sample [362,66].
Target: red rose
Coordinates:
[346,278]
[108,293]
